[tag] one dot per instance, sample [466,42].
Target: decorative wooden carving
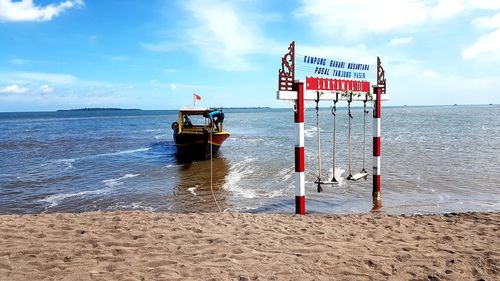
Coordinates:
[287,72]
[381,75]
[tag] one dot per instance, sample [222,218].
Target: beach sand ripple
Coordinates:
[233,246]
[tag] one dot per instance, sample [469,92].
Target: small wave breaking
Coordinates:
[117,181]
[55,199]
[236,174]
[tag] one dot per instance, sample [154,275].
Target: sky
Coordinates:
[64,54]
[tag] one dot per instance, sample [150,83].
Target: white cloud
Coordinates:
[487,45]
[357,18]
[488,22]
[430,73]
[64,101]
[401,41]
[222,33]
[359,53]
[13,89]
[19,61]
[28,77]
[353,19]
[26,10]
[46,89]
[173,87]
[447,9]
[39,92]
[160,47]
[484,4]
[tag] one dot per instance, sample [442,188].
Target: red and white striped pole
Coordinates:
[300,190]
[376,142]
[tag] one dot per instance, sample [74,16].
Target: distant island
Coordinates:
[96,109]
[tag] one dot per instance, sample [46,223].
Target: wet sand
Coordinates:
[232,246]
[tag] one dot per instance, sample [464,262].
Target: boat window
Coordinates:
[194,119]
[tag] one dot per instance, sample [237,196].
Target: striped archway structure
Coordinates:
[331,89]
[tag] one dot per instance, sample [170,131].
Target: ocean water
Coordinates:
[434,160]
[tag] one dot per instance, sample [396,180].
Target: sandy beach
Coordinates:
[233,246]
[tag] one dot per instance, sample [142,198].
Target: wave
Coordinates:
[154,130]
[56,199]
[162,137]
[67,162]
[253,140]
[132,206]
[117,181]
[236,174]
[244,169]
[121,152]
[338,175]
[285,174]
[310,132]
[276,193]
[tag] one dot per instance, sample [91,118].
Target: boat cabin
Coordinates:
[195,119]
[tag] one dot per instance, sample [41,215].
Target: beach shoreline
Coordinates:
[135,245]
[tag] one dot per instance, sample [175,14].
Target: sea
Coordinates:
[435,159]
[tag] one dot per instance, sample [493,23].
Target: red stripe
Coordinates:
[299,159]
[376,146]
[300,205]
[376,183]
[299,112]
[378,103]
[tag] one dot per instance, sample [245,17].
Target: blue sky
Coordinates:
[156,54]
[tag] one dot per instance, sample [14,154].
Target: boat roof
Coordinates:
[195,110]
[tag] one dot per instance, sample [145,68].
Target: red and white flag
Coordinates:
[196,98]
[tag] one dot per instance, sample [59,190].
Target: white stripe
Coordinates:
[300,187]
[299,134]
[376,165]
[376,127]
[287,95]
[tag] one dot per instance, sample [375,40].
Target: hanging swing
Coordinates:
[362,173]
[334,113]
[318,181]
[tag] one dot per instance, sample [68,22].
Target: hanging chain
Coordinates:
[319,145]
[334,113]
[349,134]
[365,112]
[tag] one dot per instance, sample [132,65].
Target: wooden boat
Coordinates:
[197,134]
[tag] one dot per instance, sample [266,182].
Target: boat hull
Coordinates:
[199,145]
